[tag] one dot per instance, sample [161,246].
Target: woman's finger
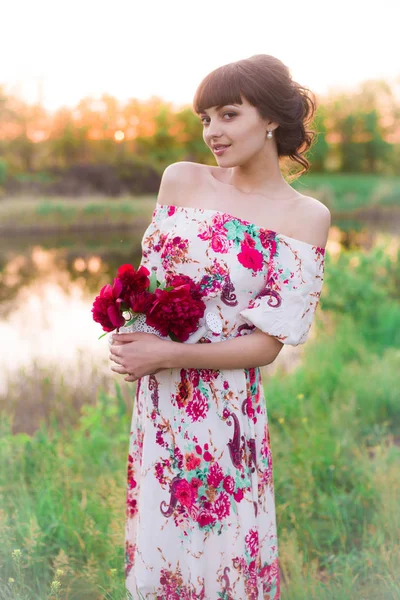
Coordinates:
[115,353]
[115,358]
[115,341]
[119,369]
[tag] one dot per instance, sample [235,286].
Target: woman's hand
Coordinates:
[138,354]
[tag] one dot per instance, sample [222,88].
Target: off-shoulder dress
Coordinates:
[200,507]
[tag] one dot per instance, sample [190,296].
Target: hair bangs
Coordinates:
[218,88]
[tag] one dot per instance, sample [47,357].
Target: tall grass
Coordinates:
[335,442]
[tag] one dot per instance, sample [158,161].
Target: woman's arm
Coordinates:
[251,350]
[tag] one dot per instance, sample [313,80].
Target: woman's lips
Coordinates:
[219,151]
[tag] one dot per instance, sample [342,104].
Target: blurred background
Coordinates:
[95,102]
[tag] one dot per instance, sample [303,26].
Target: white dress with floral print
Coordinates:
[200,518]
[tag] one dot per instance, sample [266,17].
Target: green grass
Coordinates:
[346,193]
[335,432]
[343,194]
[71,213]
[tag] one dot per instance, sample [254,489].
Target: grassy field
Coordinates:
[335,432]
[343,194]
[72,214]
[352,193]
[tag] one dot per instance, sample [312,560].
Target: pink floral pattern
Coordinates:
[200,508]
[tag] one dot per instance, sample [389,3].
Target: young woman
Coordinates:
[200,519]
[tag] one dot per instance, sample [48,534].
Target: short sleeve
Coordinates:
[286,306]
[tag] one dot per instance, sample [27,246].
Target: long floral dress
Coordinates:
[200,508]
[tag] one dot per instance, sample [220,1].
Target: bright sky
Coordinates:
[63,51]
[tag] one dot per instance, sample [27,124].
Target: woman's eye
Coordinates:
[227,113]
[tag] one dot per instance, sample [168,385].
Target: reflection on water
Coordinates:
[47,290]
[45,310]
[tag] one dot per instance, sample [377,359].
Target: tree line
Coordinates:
[125,147]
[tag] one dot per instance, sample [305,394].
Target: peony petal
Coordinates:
[126,268]
[115,316]
[117,288]
[106,291]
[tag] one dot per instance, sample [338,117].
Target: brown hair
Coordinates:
[266,83]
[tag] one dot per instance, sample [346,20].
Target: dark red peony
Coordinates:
[177,280]
[141,302]
[132,280]
[176,312]
[106,307]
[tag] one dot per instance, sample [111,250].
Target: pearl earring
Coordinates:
[270,135]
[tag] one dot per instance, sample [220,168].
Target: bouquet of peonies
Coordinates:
[136,301]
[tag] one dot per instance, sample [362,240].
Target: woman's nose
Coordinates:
[214,133]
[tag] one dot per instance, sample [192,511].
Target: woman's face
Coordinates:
[240,127]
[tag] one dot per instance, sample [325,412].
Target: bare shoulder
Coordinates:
[178,181]
[181,170]
[313,221]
